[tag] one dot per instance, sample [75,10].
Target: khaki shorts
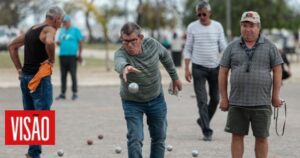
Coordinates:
[240,117]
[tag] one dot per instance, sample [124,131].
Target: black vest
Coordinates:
[34,51]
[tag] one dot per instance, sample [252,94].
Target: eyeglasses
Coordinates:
[203,14]
[132,41]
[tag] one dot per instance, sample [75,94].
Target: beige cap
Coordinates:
[250,16]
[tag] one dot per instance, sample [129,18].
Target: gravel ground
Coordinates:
[98,111]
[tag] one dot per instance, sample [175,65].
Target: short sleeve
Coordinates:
[275,56]
[225,60]
[79,35]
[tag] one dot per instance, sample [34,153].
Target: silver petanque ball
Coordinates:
[60,153]
[195,153]
[169,147]
[133,87]
[118,149]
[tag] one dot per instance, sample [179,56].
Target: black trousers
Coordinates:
[177,57]
[68,64]
[206,108]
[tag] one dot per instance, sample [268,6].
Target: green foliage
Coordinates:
[9,13]
[6,62]
[71,8]
[189,14]
[14,11]
[112,10]
[274,13]
[156,16]
[101,46]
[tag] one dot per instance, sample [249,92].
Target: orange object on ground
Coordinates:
[44,70]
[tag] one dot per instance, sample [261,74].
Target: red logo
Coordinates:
[249,15]
[29,127]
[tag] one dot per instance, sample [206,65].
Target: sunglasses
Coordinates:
[203,14]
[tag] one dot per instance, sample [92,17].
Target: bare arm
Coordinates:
[48,37]
[80,52]
[277,79]
[80,48]
[188,75]
[177,86]
[129,69]
[13,49]
[223,83]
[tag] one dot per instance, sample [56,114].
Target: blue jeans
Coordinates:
[156,111]
[206,109]
[41,99]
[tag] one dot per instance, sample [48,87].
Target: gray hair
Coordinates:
[203,4]
[129,28]
[54,12]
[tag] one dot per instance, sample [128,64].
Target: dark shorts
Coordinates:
[240,117]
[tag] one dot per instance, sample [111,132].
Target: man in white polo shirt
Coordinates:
[205,40]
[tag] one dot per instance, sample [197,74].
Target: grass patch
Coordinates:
[6,62]
[111,46]
[95,63]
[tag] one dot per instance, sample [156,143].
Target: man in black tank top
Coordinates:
[39,49]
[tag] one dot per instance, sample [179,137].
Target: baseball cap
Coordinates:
[250,16]
[67,18]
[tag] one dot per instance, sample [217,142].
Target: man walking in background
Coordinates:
[177,45]
[205,40]
[70,43]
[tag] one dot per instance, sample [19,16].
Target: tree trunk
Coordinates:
[126,10]
[139,10]
[88,26]
[157,20]
[107,65]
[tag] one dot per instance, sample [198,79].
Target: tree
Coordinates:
[274,13]
[102,18]
[87,24]
[189,15]
[9,14]
[12,12]
[71,8]
[139,13]
[155,16]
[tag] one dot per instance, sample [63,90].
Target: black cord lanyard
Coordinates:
[249,53]
[276,119]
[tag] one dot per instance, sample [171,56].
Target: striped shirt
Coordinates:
[148,62]
[204,43]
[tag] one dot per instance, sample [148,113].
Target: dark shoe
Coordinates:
[199,122]
[61,96]
[27,156]
[207,138]
[74,96]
